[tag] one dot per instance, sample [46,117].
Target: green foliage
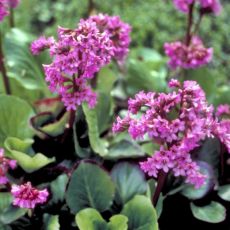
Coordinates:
[212,213]
[141,214]
[22,152]
[15,115]
[51,222]
[129,180]
[91,219]
[224,192]
[90,186]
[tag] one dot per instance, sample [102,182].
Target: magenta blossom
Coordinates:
[5,165]
[77,55]
[26,196]
[193,56]
[4,11]
[118,31]
[41,44]
[212,6]
[183,5]
[150,114]
[223,110]
[13,3]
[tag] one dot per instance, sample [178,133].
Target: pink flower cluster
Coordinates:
[179,121]
[5,5]
[209,6]
[194,55]
[80,53]
[118,31]
[26,196]
[5,165]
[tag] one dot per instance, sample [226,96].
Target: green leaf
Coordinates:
[5,201]
[106,80]
[58,187]
[51,222]
[90,186]
[98,145]
[90,219]
[14,119]
[56,128]
[224,192]
[129,180]
[124,149]
[21,151]
[12,214]
[118,222]
[22,64]
[191,192]
[212,213]
[141,214]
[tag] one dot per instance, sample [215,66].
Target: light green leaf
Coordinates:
[124,149]
[141,214]
[212,213]
[224,192]
[90,219]
[21,151]
[90,186]
[98,145]
[129,180]
[14,119]
[118,222]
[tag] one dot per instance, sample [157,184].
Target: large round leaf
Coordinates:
[141,214]
[224,192]
[212,213]
[129,180]
[14,119]
[90,186]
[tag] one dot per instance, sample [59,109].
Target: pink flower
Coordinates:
[3,9]
[13,3]
[183,5]
[118,32]
[193,121]
[212,6]
[41,44]
[26,196]
[223,110]
[5,165]
[193,56]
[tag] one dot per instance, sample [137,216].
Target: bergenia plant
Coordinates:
[94,137]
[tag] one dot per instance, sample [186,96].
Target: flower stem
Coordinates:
[3,69]
[198,23]
[11,18]
[189,26]
[160,184]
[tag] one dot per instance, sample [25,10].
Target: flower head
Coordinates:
[26,196]
[5,165]
[211,6]
[150,114]
[118,31]
[3,9]
[193,56]
[41,44]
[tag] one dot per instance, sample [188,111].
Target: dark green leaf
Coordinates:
[90,186]
[129,180]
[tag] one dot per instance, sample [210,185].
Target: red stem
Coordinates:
[189,26]
[160,184]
